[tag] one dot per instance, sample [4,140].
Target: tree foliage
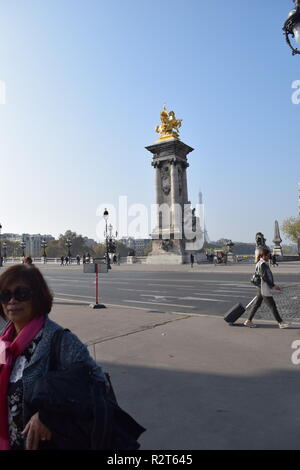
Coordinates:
[291,228]
[58,248]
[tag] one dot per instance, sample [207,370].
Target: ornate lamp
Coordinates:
[230,245]
[44,246]
[23,246]
[292,27]
[105,216]
[68,245]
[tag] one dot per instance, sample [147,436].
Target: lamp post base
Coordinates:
[97,306]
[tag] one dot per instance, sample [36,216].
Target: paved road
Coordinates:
[206,293]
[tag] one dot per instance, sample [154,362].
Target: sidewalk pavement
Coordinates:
[193,381]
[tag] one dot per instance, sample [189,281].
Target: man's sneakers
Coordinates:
[284,325]
[249,324]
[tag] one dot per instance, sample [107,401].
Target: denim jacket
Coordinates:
[72,350]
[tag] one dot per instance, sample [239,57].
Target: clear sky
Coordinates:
[86,81]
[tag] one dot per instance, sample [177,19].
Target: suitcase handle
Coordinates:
[252,301]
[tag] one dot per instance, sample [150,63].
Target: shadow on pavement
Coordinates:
[183,410]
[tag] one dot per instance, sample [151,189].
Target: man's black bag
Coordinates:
[79,410]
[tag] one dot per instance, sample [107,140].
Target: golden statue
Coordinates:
[169,125]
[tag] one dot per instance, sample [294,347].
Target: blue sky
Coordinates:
[86,81]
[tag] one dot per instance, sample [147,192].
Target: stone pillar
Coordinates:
[170,159]
[174,194]
[185,197]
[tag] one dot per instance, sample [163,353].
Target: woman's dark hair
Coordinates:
[28,274]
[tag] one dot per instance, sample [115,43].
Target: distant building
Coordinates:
[33,243]
[14,237]
[129,242]
[137,244]
[140,246]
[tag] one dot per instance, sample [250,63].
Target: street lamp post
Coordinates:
[292,27]
[4,250]
[44,246]
[23,246]
[105,216]
[1,259]
[68,245]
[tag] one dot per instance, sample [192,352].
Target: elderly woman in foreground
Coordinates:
[25,344]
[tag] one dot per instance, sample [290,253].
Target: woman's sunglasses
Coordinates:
[21,294]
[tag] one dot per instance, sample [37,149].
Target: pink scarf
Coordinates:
[10,349]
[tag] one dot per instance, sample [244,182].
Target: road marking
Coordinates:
[222,295]
[139,290]
[159,303]
[203,299]
[173,285]
[231,291]
[161,297]
[227,284]
[74,295]
[73,300]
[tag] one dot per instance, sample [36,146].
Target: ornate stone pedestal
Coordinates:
[277,250]
[168,240]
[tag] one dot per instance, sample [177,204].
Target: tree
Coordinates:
[57,248]
[291,228]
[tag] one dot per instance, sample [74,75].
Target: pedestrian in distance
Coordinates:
[61,410]
[264,291]
[78,259]
[192,260]
[274,260]
[66,260]
[83,258]
[62,258]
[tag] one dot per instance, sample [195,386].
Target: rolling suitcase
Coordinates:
[236,312]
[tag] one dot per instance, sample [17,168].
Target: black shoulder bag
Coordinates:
[80,410]
[256,278]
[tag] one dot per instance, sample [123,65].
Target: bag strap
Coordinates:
[55,348]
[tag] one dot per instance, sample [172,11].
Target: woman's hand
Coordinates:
[35,432]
